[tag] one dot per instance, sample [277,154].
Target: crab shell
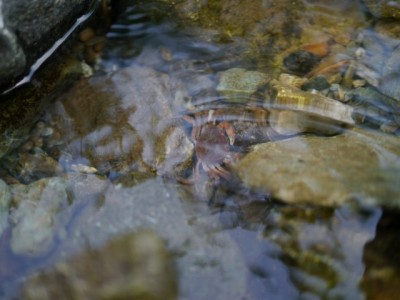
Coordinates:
[212,145]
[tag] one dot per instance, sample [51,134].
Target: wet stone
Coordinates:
[318,83]
[375,106]
[203,258]
[121,123]
[384,9]
[323,247]
[381,275]
[300,62]
[84,185]
[38,165]
[34,217]
[5,200]
[357,165]
[294,111]
[237,85]
[382,56]
[132,266]
[391,74]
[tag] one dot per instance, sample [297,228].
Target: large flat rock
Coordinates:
[357,165]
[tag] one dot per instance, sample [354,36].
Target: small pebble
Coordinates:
[292,80]
[318,83]
[389,127]
[359,83]
[99,47]
[319,49]
[337,92]
[47,131]
[87,71]
[86,34]
[166,54]
[37,129]
[360,53]
[26,147]
[83,169]
[301,62]
[38,142]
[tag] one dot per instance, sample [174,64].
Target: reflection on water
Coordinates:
[259,141]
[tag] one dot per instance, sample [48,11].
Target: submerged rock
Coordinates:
[295,111]
[390,76]
[238,85]
[357,165]
[382,57]
[204,258]
[124,122]
[384,8]
[131,266]
[37,165]
[42,209]
[322,247]
[270,25]
[300,62]
[5,200]
[381,263]
[34,218]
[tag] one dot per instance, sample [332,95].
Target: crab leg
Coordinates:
[195,125]
[223,172]
[216,171]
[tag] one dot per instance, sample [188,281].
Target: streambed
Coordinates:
[302,204]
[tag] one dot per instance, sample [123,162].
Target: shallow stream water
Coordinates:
[303,204]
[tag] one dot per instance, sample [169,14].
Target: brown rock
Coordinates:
[326,170]
[132,266]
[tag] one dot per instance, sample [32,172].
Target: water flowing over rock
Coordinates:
[123,122]
[357,165]
[209,263]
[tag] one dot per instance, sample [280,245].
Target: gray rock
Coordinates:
[326,171]
[35,217]
[382,56]
[29,28]
[42,209]
[391,76]
[5,200]
[209,264]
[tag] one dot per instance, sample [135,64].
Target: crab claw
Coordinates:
[229,131]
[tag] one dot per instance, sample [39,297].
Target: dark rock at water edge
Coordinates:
[29,28]
[381,277]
